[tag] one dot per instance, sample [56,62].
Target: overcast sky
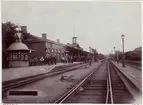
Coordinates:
[96,24]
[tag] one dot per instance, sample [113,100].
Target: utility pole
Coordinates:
[123,62]
[114,53]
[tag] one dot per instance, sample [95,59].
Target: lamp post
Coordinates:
[117,56]
[111,54]
[114,53]
[123,60]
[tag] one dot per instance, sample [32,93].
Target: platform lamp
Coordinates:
[111,54]
[123,55]
[114,53]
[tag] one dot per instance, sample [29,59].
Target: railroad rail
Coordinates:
[131,87]
[7,85]
[102,85]
[81,87]
[120,93]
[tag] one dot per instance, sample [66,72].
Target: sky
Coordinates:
[96,24]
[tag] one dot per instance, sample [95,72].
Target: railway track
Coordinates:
[103,85]
[120,92]
[7,85]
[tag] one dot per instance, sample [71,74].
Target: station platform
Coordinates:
[132,74]
[20,72]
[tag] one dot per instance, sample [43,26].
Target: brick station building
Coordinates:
[44,47]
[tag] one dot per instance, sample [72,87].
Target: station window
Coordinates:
[22,56]
[52,50]
[58,51]
[26,57]
[14,56]
[10,56]
[48,50]
[18,56]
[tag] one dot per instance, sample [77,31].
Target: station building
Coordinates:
[44,47]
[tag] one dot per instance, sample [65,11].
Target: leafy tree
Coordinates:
[95,52]
[8,32]
[134,55]
[100,56]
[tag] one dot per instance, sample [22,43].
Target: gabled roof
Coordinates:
[33,38]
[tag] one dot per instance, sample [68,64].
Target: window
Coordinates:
[59,51]
[52,50]
[49,50]
[14,56]
[22,56]
[56,50]
[26,57]
[10,56]
[18,56]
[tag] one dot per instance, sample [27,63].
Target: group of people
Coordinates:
[50,60]
[68,59]
[42,61]
[53,60]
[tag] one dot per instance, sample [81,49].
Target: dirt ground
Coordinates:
[51,88]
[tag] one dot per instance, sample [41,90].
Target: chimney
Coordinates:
[24,29]
[44,36]
[74,40]
[58,40]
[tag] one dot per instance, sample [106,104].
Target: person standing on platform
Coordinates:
[42,60]
[48,60]
[63,59]
[55,61]
[35,60]
[71,59]
[90,60]
[45,60]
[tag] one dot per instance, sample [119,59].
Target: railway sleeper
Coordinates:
[118,88]
[96,85]
[95,88]
[86,99]
[122,99]
[91,93]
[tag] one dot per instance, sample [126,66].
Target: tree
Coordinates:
[95,52]
[100,56]
[8,32]
[134,55]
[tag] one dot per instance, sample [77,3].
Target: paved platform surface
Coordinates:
[19,72]
[132,74]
